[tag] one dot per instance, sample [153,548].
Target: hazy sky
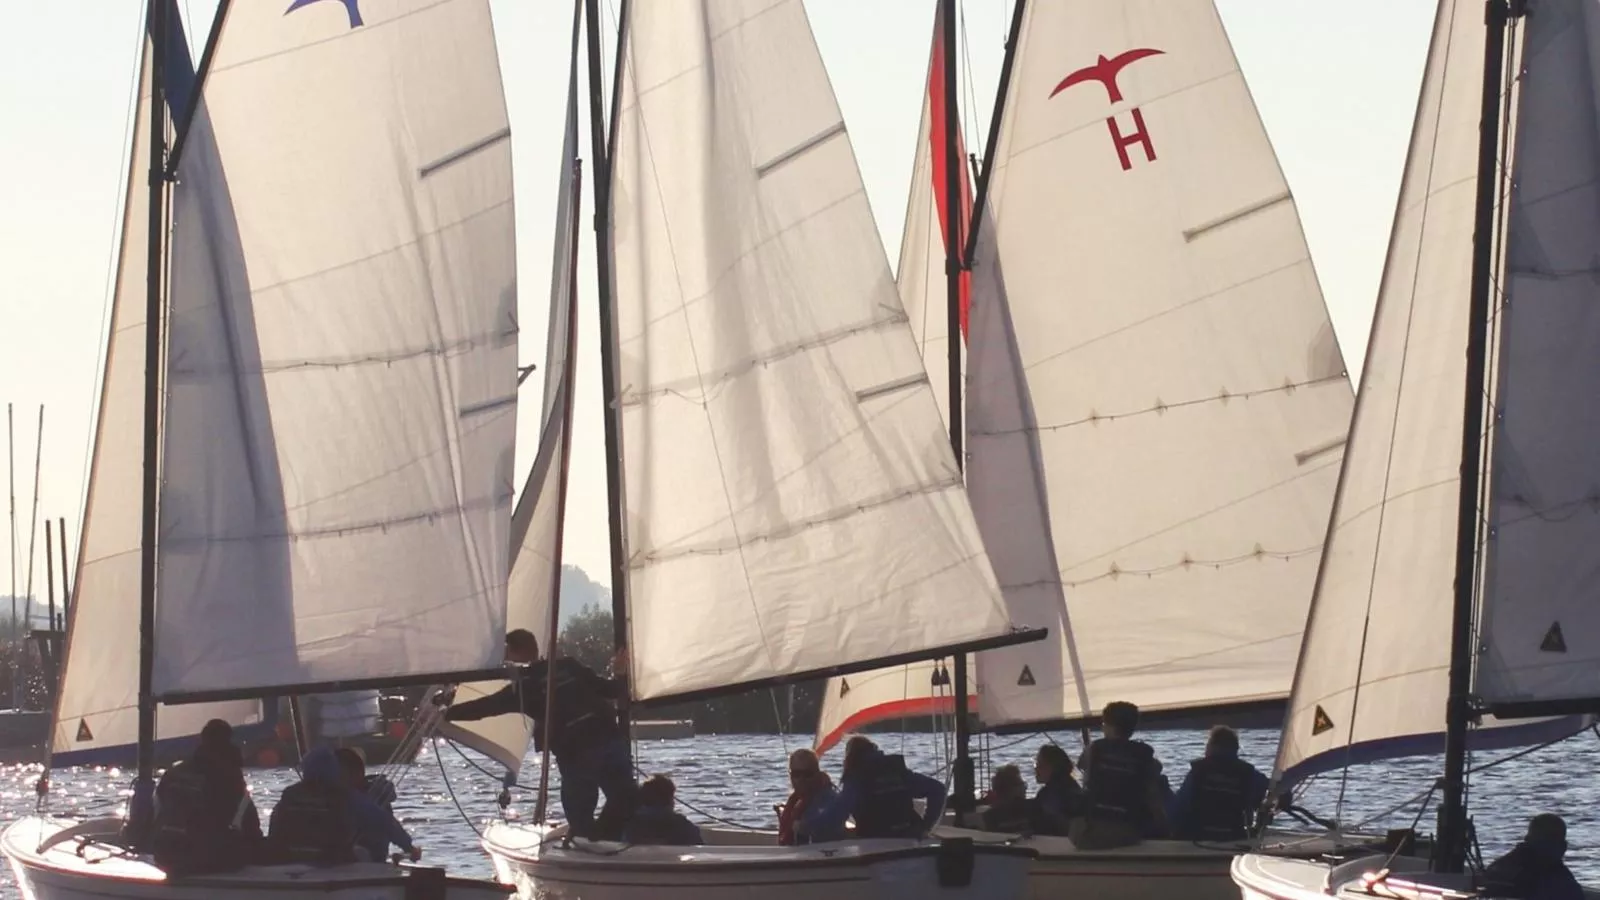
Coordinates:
[1336,88]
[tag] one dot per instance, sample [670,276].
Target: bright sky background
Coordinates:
[1336,87]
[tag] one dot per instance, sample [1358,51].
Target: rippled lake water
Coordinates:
[738,778]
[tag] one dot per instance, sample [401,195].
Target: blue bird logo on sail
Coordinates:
[351,7]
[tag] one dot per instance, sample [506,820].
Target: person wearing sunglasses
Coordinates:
[812,792]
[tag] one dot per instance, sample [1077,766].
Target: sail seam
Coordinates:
[1160,407]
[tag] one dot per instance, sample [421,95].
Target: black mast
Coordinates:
[1452,844]
[599,147]
[962,794]
[981,200]
[144,785]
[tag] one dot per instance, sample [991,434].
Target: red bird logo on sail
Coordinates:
[1106,71]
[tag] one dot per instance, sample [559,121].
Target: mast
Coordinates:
[144,785]
[981,196]
[599,148]
[962,799]
[1451,852]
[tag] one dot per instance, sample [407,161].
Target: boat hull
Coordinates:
[69,860]
[1266,877]
[749,866]
[1150,870]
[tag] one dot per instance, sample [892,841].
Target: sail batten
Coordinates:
[339,410]
[1155,393]
[784,515]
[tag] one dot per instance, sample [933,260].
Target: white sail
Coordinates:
[919,691]
[792,503]
[1539,623]
[341,376]
[1156,400]
[909,691]
[535,524]
[1372,680]
[98,700]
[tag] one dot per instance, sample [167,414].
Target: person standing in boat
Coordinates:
[878,791]
[1124,802]
[812,792]
[1221,793]
[590,749]
[205,821]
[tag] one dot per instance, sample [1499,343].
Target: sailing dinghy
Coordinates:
[782,502]
[311,373]
[1454,610]
[1155,401]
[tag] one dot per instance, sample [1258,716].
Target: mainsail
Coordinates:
[340,394]
[792,504]
[1376,648]
[1155,394]
[535,525]
[913,690]
[97,702]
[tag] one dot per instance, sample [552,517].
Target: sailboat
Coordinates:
[1156,402]
[781,501]
[1453,608]
[302,460]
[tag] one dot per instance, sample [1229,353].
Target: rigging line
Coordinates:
[114,253]
[450,789]
[1388,468]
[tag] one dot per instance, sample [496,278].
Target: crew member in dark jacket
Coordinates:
[590,749]
[205,821]
[1060,798]
[655,821]
[312,822]
[1535,869]
[1124,801]
[1221,793]
[877,790]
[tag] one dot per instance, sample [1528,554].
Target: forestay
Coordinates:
[537,519]
[792,501]
[1156,400]
[1539,621]
[1377,648]
[909,691]
[97,704]
[340,388]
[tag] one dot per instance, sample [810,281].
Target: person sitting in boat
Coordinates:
[373,819]
[1007,801]
[1535,869]
[1059,798]
[655,821]
[590,749]
[1220,795]
[1123,798]
[812,792]
[205,821]
[312,822]
[878,791]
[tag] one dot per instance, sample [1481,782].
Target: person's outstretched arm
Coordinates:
[506,700]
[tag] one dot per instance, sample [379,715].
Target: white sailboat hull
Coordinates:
[56,859]
[1264,877]
[748,865]
[1150,870]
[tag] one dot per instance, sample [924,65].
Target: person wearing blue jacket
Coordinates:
[1221,794]
[375,824]
[877,790]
